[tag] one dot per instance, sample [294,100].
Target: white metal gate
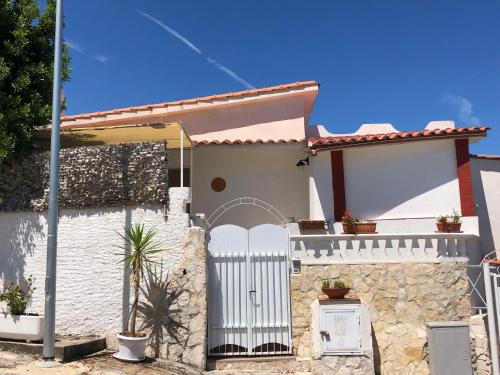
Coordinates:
[248,291]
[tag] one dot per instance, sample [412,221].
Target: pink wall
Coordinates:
[280,118]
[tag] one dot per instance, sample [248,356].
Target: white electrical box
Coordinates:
[340,329]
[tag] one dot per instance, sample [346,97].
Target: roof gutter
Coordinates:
[330,147]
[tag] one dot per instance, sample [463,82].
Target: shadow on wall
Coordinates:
[376,352]
[161,312]
[379,180]
[19,233]
[485,230]
[126,274]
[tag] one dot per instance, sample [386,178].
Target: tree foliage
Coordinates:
[26,71]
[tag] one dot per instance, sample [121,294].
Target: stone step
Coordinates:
[260,365]
[250,372]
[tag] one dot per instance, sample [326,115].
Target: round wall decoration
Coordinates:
[218,184]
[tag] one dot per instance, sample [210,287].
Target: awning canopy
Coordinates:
[172,133]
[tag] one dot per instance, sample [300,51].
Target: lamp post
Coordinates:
[50,273]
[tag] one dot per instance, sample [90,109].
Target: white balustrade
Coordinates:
[382,247]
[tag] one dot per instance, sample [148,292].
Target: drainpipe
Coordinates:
[50,273]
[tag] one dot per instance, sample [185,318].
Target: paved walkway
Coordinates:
[100,364]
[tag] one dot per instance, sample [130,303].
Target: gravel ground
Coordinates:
[99,364]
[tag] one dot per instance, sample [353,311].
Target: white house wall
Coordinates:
[414,179]
[91,291]
[320,187]
[486,185]
[266,172]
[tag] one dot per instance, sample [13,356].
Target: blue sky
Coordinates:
[403,62]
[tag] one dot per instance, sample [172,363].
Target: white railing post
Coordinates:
[182,156]
[497,299]
[491,318]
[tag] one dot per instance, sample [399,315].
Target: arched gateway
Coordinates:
[248,286]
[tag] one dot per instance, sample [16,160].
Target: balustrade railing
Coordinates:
[382,247]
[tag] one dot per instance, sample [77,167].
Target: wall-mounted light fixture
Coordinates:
[302,162]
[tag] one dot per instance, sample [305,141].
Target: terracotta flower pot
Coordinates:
[442,227]
[335,293]
[312,224]
[454,227]
[366,227]
[349,228]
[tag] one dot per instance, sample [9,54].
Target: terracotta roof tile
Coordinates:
[248,142]
[287,86]
[488,157]
[348,140]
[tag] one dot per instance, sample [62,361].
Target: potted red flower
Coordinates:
[352,224]
[349,222]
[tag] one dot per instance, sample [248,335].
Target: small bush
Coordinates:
[16,298]
[329,283]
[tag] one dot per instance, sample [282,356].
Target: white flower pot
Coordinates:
[131,349]
[21,327]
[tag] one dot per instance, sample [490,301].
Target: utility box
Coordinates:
[449,348]
[339,328]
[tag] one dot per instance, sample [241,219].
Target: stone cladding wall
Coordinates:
[401,299]
[481,361]
[91,176]
[343,365]
[189,286]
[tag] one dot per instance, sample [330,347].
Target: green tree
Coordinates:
[26,71]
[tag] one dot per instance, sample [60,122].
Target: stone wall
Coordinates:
[347,365]
[401,299]
[92,176]
[481,361]
[93,288]
[186,317]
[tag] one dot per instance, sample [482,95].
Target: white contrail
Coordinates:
[464,107]
[76,47]
[184,40]
[73,46]
[101,58]
[171,31]
[230,73]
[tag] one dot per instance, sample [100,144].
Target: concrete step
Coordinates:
[260,365]
[249,372]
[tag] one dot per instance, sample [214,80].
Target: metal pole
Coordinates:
[50,273]
[182,157]
[491,318]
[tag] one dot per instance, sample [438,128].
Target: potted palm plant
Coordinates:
[140,247]
[15,323]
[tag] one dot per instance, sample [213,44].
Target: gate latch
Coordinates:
[250,293]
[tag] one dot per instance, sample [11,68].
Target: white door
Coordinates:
[248,291]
